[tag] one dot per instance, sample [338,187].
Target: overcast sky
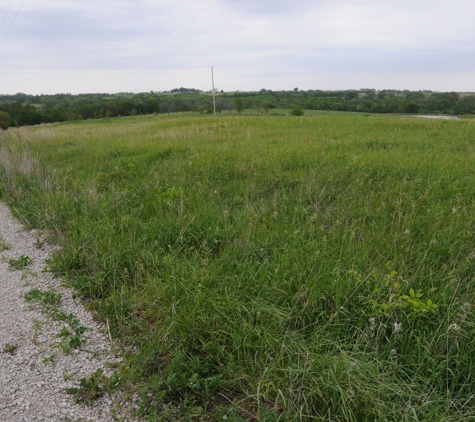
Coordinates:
[52,46]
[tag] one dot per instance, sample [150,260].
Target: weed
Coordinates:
[37,325]
[48,297]
[51,298]
[50,359]
[10,349]
[3,245]
[39,243]
[90,388]
[386,297]
[415,306]
[67,376]
[20,263]
[71,339]
[72,335]
[27,274]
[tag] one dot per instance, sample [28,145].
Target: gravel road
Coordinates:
[37,361]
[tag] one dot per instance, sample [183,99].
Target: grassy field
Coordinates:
[267,268]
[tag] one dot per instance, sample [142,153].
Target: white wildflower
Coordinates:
[397,327]
[371,323]
[455,327]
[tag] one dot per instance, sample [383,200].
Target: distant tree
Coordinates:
[5,120]
[466,105]
[35,109]
[412,107]
[224,103]
[239,104]
[211,110]
[257,104]
[297,110]
[151,105]
[387,109]
[28,117]
[351,95]
[442,105]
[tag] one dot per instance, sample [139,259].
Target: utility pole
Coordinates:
[214,99]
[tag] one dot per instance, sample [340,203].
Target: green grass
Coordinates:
[312,113]
[271,268]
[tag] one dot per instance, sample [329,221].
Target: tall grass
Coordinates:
[268,268]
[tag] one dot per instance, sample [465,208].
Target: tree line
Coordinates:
[22,109]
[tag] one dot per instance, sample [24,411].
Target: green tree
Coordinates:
[257,104]
[5,120]
[239,104]
[412,107]
[296,110]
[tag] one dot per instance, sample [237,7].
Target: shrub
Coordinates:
[5,120]
[297,110]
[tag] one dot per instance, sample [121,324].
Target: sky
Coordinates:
[109,46]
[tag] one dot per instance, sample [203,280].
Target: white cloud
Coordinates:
[252,43]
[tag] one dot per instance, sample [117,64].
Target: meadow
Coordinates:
[268,268]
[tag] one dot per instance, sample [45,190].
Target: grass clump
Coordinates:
[3,244]
[48,297]
[20,263]
[90,388]
[50,359]
[71,335]
[269,268]
[10,349]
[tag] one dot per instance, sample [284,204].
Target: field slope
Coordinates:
[267,268]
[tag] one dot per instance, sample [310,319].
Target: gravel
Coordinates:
[35,367]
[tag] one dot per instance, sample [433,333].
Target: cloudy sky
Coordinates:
[51,46]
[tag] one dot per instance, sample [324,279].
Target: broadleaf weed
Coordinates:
[20,263]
